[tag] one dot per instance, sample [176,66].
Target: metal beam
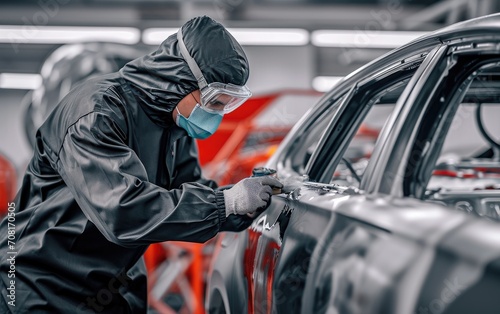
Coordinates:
[449,11]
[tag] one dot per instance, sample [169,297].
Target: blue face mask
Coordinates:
[200,124]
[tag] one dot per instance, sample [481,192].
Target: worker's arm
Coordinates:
[110,185]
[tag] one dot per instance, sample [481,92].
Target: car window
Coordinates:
[305,143]
[312,148]
[381,104]
[352,166]
[347,146]
[466,171]
[274,122]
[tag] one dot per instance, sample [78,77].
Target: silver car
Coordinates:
[402,222]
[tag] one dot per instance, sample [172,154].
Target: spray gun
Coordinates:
[291,187]
[263,171]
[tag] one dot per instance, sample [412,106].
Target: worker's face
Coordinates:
[187,104]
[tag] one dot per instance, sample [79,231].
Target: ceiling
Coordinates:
[263,13]
[310,15]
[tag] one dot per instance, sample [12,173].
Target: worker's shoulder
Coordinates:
[97,95]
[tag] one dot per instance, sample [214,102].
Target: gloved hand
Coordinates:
[250,195]
[236,223]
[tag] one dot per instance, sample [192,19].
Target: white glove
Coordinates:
[250,195]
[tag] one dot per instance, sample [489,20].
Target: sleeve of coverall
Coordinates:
[110,185]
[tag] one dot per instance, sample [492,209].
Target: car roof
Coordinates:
[486,26]
[488,21]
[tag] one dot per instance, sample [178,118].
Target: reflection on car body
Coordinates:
[407,223]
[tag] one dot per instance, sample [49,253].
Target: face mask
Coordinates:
[200,124]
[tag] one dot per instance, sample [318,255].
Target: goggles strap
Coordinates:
[194,98]
[193,66]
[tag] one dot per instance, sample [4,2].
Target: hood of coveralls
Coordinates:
[162,78]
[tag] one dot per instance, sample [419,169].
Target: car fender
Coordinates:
[226,274]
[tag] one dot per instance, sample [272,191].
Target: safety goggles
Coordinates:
[215,97]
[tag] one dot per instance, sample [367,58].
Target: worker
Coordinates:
[115,169]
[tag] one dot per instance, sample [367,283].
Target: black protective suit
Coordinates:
[108,178]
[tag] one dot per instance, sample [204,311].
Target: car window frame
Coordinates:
[415,184]
[384,169]
[342,129]
[388,172]
[281,157]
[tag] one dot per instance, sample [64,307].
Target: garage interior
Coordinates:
[302,63]
[297,51]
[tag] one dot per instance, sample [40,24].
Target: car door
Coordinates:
[266,233]
[285,239]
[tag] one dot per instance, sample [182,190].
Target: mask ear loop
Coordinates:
[180,114]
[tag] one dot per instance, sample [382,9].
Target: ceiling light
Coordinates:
[362,39]
[20,81]
[245,36]
[271,36]
[67,34]
[155,36]
[325,83]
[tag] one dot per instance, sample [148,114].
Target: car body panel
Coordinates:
[227,275]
